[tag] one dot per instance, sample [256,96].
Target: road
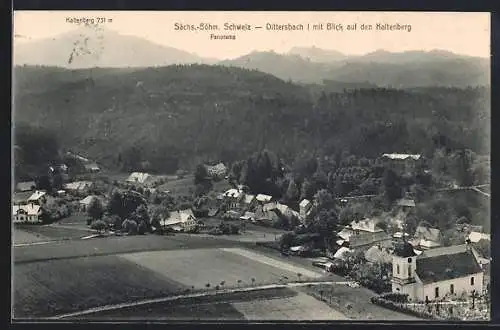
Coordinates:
[191,295]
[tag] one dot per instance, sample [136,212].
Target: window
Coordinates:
[409,260]
[472,280]
[397,269]
[409,270]
[436,293]
[452,289]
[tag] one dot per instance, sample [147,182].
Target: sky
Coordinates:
[461,33]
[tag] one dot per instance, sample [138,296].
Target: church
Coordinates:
[436,273]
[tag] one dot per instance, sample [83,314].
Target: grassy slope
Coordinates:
[48,288]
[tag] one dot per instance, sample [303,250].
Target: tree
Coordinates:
[299,275]
[98,225]
[307,190]
[95,209]
[141,215]
[253,281]
[115,204]
[129,226]
[391,186]
[200,174]
[292,192]
[286,240]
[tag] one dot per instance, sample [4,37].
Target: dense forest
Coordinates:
[166,118]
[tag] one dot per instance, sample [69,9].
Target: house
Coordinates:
[234,197]
[61,193]
[183,220]
[405,203]
[38,197]
[364,233]
[447,271]
[92,168]
[402,162]
[475,237]
[248,216]
[84,203]
[216,171]
[378,254]
[137,177]
[26,186]
[426,238]
[266,215]
[28,213]
[78,186]
[262,199]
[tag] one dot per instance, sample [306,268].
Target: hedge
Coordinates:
[400,307]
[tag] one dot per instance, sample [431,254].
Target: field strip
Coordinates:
[34,243]
[273,262]
[192,295]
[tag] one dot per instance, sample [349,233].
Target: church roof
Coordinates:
[444,267]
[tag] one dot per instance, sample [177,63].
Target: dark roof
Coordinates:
[404,249]
[26,186]
[447,266]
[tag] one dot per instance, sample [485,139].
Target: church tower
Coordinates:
[404,265]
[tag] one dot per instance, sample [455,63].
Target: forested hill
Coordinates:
[178,116]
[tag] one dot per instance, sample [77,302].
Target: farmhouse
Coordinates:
[261,198]
[426,238]
[183,220]
[233,196]
[25,186]
[448,271]
[364,233]
[405,203]
[38,197]
[29,213]
[92,168]
[266,215]
[401,162]
[84,203]
[78,186]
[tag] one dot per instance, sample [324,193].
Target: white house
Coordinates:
[426,238]
[37,197]
[183,220]
[261,198]
[248,199]
[396,156]
[234,196]
[84,203]
[448,271]
[248,216]
[28,213]
[137,177]
[78,186]
[364,233]
[92,168]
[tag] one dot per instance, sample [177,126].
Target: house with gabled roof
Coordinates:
[402,162]
[426,237]
[27,213]
[26,186]
[262,198]
[436,273]
[37,197]
[182,220]
[363,234]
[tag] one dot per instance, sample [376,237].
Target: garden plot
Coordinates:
[298,308]
[199,267]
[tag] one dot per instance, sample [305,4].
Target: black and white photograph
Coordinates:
[250,166]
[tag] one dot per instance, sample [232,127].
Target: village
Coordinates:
[417,272]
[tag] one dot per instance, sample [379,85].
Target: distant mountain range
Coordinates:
[99,47]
